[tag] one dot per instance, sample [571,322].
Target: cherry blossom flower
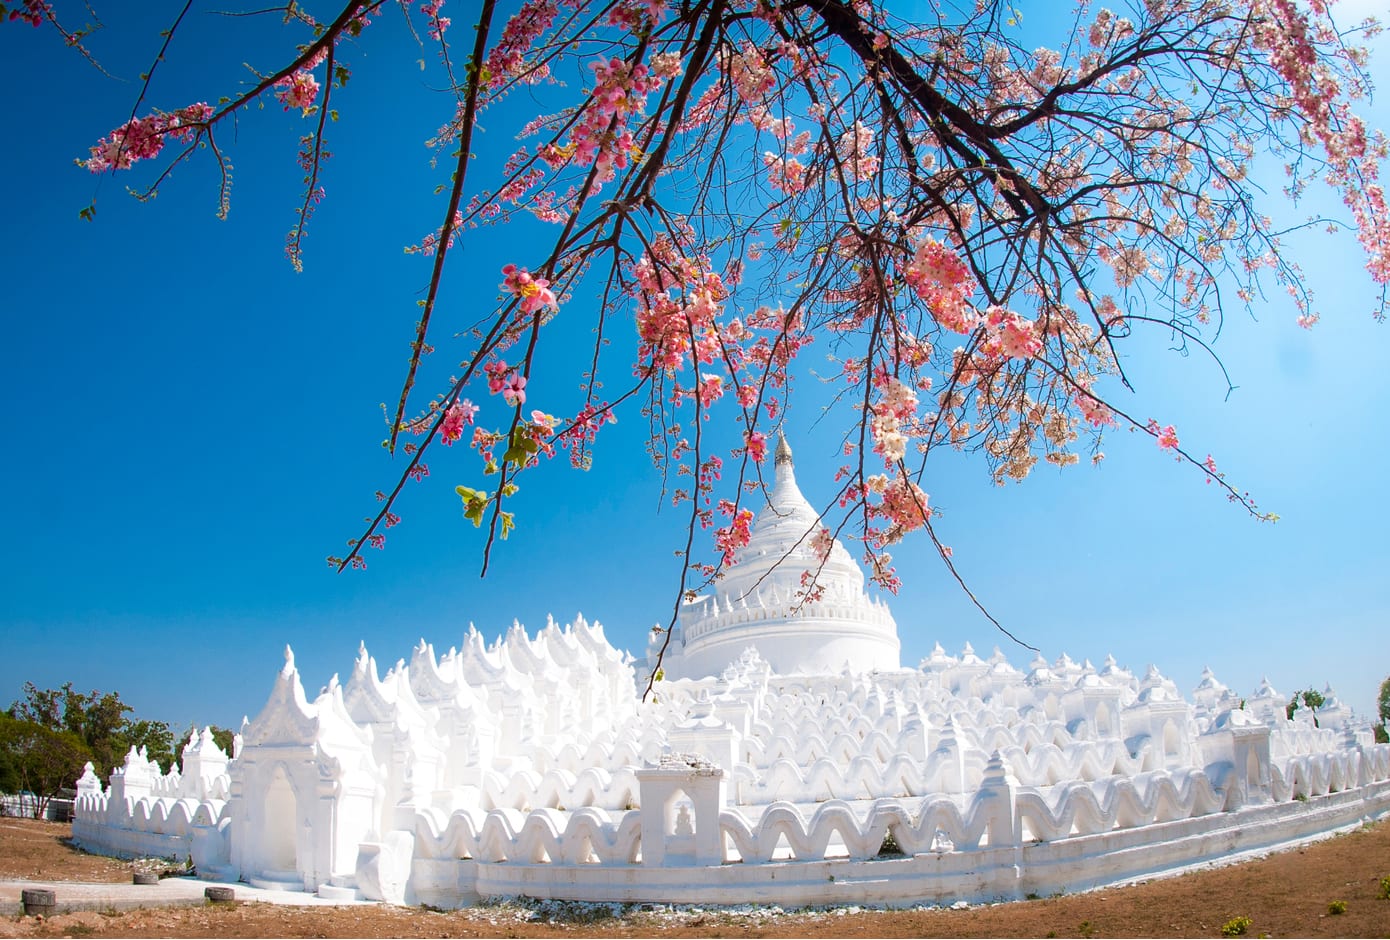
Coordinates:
[298,90]
[461,412]
[1167,436]
[514,389]
[533,292]
[756,442]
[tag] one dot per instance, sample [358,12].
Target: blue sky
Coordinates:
[192,428]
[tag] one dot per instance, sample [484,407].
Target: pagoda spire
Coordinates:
[784,451]
[783,466]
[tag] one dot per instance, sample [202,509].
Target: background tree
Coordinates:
[1310,699]
[1383,707]
[100,721]
[972,225]
[222,737]
[38,761]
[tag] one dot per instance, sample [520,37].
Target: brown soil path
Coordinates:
[1283,895]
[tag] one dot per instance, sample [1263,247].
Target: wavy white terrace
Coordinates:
[786,757]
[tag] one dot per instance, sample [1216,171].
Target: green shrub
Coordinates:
[1385,888]
[1337,907]
[1235,927]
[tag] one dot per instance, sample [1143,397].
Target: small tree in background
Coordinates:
[100,721]
[222,737]
[1310,699]
[37,761]
[1383,703]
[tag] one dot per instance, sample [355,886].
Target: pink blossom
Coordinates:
[533,292]
[941,279]
[299,90]
[904,504]
[460,413]
[756,441]
[734,536]
[1014,336]
[543,422]
[438,24]
[710,389]
[1167,436]
[508,57]
[143,138]
[514,389]
[32,12]
[496,375]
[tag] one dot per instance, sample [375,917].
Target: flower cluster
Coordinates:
[636,15]
[1288,37]
[602,137]
[438,24]
[904,505]
[461,412]
[298,90]
[756,443]
[33,12]
[891,417]
[785,173]
[143,138]
[506,381]
[730,538]
[752,76]
[678,299]
[533,292]
[1010,335]
[430,243]
[1167,436]
[584,429]
[507,58]
[943,282]
[855,150]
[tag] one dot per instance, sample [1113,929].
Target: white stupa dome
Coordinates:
[761,601]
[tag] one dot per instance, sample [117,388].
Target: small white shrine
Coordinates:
[785,757]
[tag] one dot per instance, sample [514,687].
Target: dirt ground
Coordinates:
[1284,895]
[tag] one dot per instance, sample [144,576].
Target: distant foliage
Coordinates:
[1310,699]
[38,761]
[100,721]
[222,737]
[1383,707]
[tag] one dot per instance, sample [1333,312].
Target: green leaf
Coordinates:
[474,504]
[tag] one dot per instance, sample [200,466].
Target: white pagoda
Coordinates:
[762,603]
